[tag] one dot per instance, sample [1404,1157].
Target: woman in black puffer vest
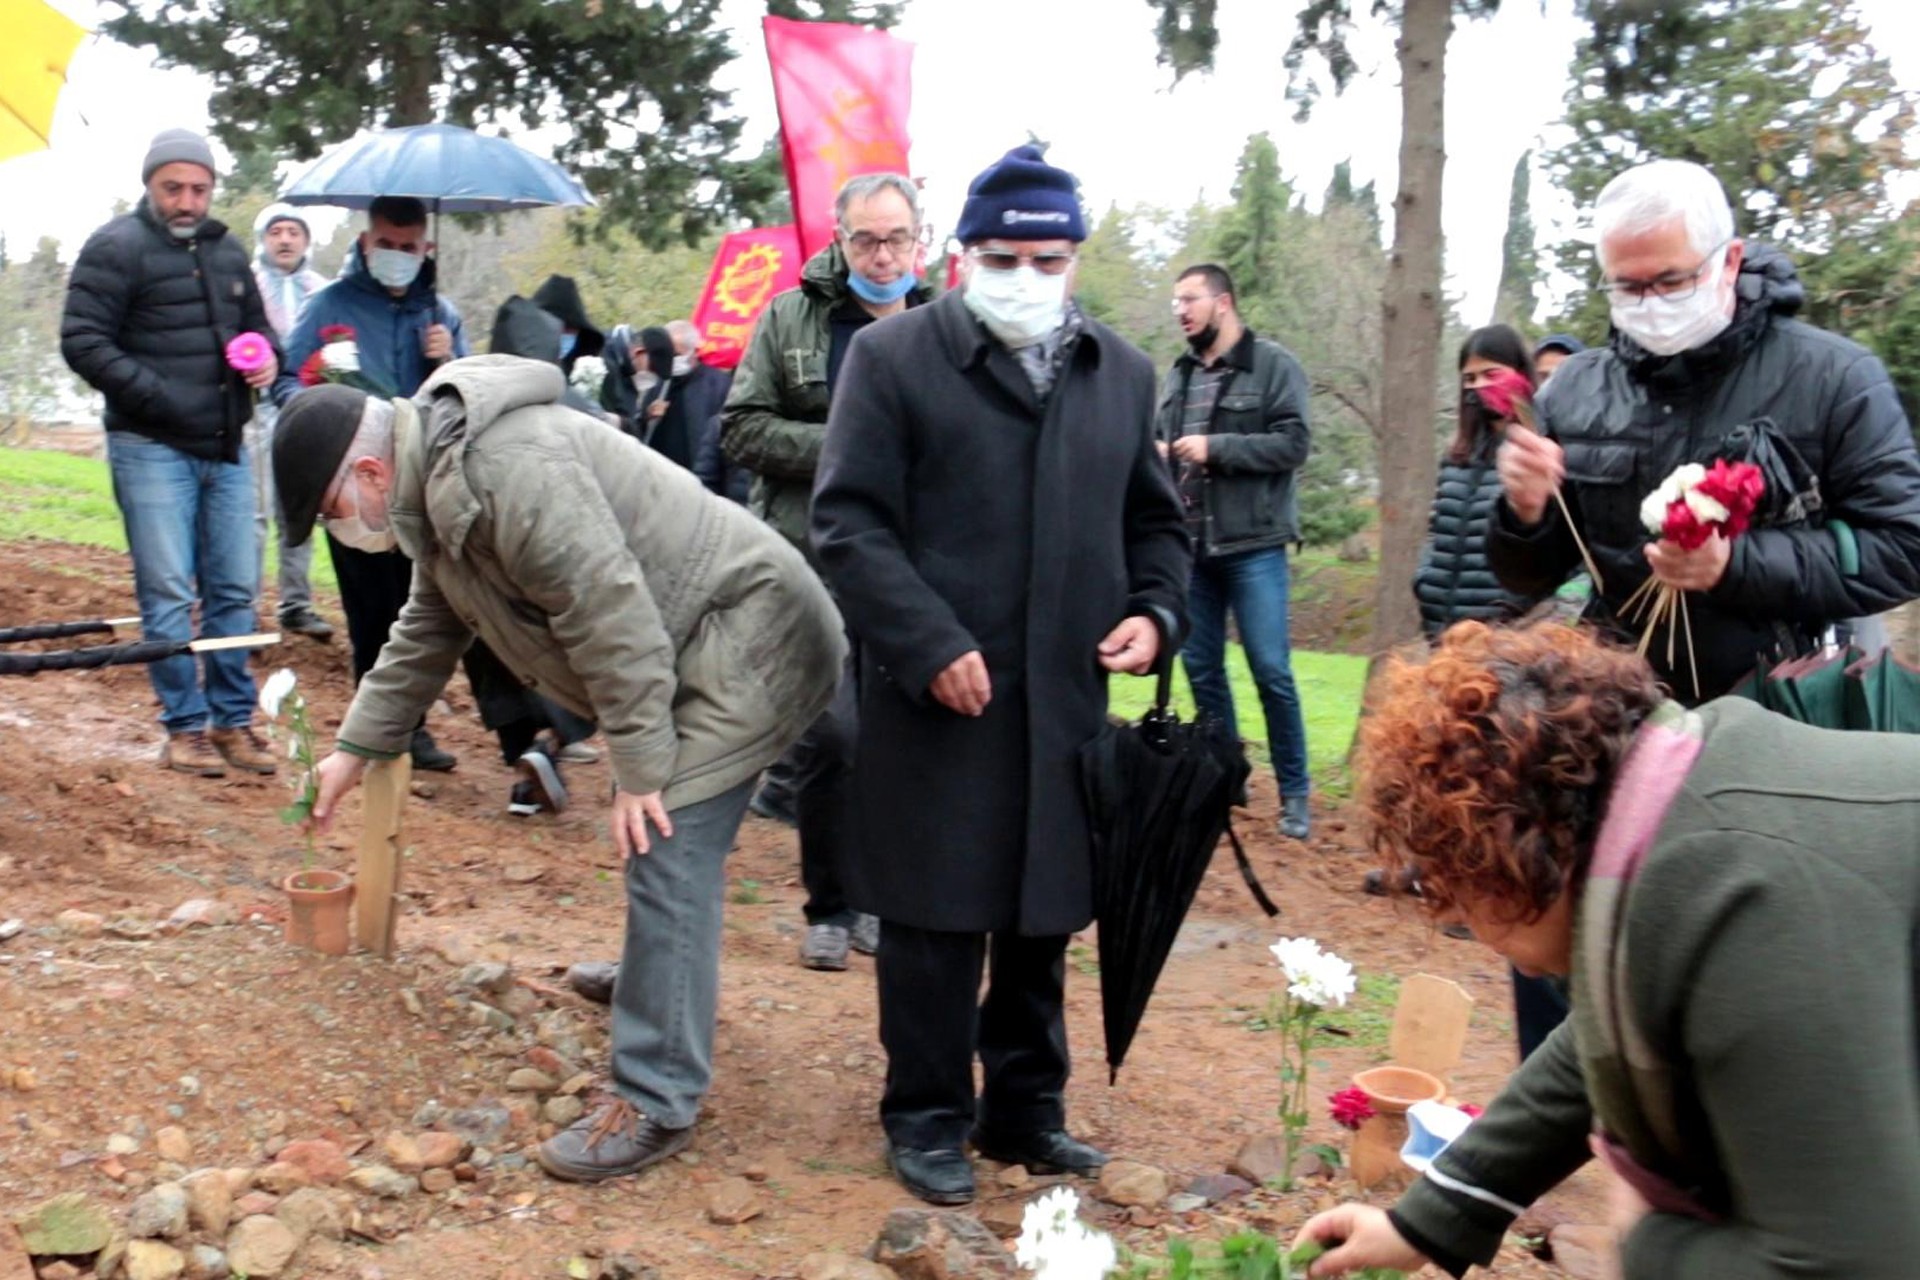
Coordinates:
[1454,581]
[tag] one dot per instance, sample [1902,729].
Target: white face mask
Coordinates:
[394,268]
[1019,307]
[358,532]
[682,366]
[1668,326]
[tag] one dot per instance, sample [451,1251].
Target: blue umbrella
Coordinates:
[453,170]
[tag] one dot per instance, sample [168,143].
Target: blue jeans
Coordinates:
[190,531]
[1254,585]
[667,991]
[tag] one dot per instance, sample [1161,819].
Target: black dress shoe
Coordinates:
[943,1176]
[1049,1151]
[427,754]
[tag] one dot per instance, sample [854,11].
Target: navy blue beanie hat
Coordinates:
[1022,197]
[1559,342]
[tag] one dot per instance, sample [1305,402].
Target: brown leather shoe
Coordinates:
[611,1141]
[191,752]
[244,749]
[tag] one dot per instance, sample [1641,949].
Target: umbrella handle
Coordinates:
[1246,873]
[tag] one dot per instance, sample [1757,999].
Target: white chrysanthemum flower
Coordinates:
[1710,510]
[1295,955]
[1055,1244]
[341,357]
[1326,983]
[275,691]
[588,373]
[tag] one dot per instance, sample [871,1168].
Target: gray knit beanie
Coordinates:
[176,146]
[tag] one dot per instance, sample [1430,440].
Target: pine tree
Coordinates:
[1519,271]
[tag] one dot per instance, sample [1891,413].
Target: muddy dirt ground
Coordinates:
[245,1043]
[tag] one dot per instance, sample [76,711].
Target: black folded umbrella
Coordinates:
[116,655]
[1159,796]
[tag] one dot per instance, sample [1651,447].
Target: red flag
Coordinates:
[844,93]
[750,268]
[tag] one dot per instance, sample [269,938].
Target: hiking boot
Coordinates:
[864,936]
[1293,820]
[1375,884]
[303,621]
[539,783]
[825,947]
[244,749]
[611,1141]
[427,754]
[593,979]
[191,752]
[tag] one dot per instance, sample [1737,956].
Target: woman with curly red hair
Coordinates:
[1736,898]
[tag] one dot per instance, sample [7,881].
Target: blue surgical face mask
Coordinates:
[881,294]
[568,341]
[394,268]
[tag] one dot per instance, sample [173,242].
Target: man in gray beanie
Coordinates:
[155,298]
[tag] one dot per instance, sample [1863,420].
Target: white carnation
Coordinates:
[589,372]
[1710,510]
[341,357]
[1684,477]
[1055,1244]
[1653,511]
[1314,976]
[275,691]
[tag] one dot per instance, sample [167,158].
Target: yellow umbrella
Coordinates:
[33,68]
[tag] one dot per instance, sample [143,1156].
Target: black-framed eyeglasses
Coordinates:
[1049,263]
[1675,286]
[899,243]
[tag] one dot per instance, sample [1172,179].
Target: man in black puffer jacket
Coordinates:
[156,296]
[1705,358]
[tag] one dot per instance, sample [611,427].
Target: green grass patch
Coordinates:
[746,893]
[1330,684]
[66,498]
[1365,1023]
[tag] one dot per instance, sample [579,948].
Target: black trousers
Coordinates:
[515,713]
[933,1021]
[374,585]
[822,763]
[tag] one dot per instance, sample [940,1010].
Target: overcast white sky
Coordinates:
[1080,73]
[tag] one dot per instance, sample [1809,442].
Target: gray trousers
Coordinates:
[296,591]
[669,983]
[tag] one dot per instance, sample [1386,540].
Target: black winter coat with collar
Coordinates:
[147,323]
[1627,418]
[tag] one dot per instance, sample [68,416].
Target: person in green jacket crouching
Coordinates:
[1736,898]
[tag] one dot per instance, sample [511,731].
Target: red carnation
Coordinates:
[1738,487]
[1507,394]
[1473,1109]
[1350,1108]
[313,372]
[336,333]
[1683,528]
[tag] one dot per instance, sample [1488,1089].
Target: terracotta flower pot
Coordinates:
[1390,1091]
[317,907]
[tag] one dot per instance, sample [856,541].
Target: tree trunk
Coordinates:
[415,72]
[1403,437]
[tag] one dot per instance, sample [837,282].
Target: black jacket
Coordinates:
[955,512]
[728,479]
[1454,581]
[1627,418]
[560,297]
[147,323]
[1257,439]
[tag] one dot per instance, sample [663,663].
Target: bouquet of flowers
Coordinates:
[1693,504]
[1508,394]
[337,359]
[589,372]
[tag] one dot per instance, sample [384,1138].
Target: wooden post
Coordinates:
[377,882]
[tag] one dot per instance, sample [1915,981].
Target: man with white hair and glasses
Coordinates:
[1706,362]
[773,425]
